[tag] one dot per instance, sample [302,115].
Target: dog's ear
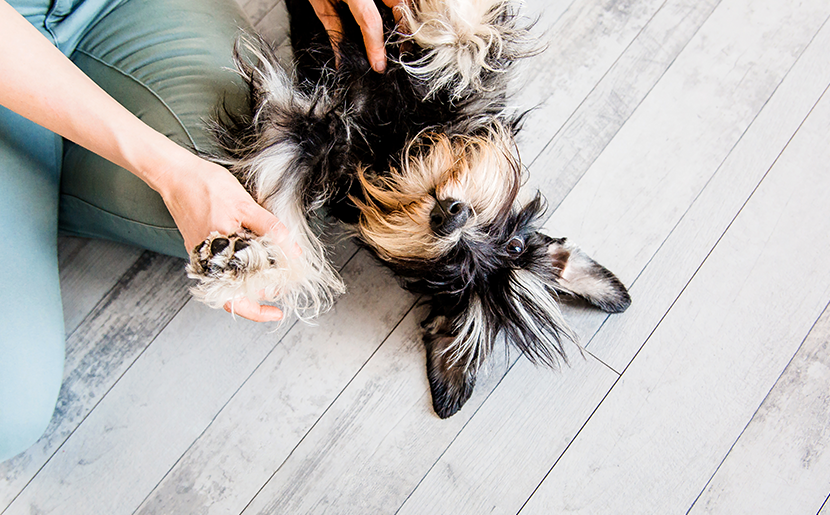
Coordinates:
[453,360]
[580,276]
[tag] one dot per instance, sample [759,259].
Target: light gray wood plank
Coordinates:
[98,352]
[371,448]
[360,459]
[182,387]
[699,229]
[465,481]
[557,167]
[591,205]
[655,167]
[666,425]
[582,44]
[780,464]
[88,270]
[262,425]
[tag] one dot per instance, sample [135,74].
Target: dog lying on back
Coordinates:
[420,162]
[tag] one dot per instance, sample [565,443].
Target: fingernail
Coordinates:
[379,66]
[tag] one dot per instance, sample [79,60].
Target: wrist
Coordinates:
[160,162]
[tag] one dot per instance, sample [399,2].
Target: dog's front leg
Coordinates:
[230,267]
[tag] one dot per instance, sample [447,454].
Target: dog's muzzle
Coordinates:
[447,216]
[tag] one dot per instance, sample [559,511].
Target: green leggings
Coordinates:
[168,62]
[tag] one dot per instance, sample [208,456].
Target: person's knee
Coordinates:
[22,428]
[31,372]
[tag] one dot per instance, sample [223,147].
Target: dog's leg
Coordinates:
[468,45]
[247,265]
[580,276]
[265,153]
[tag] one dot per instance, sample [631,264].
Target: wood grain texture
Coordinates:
[657,165]
[88,270]
[657,37]
[373,445]
[672,417]
[271,396]
[699,229]
[497,463]
[781,464]
[582,39]
[98,352]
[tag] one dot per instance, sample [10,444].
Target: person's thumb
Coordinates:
[263,223]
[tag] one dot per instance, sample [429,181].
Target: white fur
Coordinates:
[463,39]
[306,285]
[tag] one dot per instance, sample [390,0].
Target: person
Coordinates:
[102,104]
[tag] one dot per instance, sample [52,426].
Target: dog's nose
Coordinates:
[447,216]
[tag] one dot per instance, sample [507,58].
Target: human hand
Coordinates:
[204,197]
[366,14]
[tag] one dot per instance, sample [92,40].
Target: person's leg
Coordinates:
[32,338]
[164,59]
[169,62]
[31,318]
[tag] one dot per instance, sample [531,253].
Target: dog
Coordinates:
[421,164]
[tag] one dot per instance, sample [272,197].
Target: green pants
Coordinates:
[168,62]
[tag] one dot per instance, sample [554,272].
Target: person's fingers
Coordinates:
[327,14]
[366,15]
[262,222]
[396,12]
[246,308]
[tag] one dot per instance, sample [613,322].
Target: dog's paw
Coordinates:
[239,265]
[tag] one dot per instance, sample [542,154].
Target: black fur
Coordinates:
[505,284]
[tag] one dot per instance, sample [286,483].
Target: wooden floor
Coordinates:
[685,144]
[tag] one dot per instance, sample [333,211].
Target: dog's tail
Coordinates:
[467,44]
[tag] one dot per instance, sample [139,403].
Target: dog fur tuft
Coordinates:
[469,44]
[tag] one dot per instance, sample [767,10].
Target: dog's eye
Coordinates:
[516,245]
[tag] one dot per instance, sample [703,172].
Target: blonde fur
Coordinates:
[480,171]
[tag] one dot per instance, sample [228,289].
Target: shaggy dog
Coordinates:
[421,164]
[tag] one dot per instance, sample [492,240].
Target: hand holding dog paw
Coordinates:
[204,198]
[367,16]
